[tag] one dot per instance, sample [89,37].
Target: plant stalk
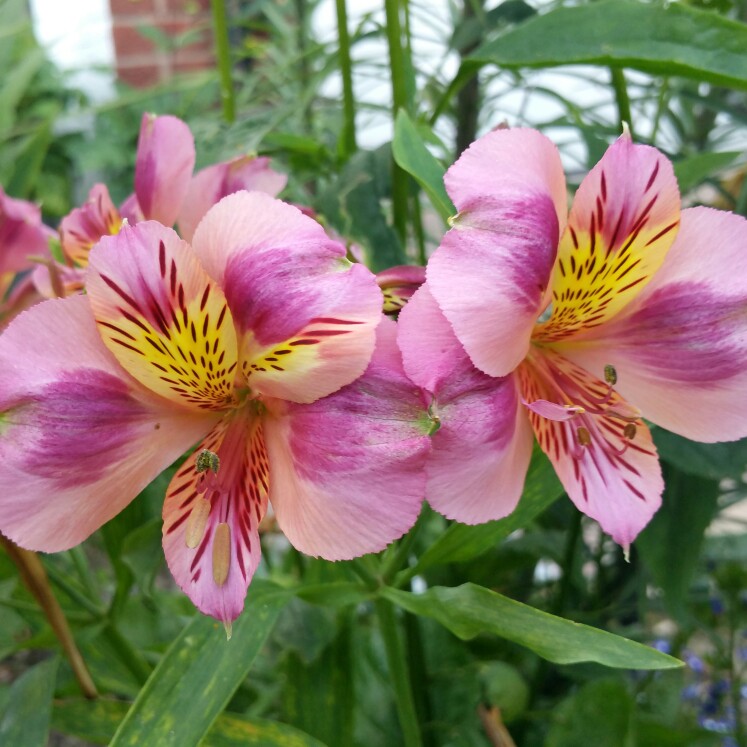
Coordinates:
[223,55]
[349,144]
[620,88]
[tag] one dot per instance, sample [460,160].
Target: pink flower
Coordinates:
[533,321]
[165,189]
[251,343]
[23,238]
[398,285]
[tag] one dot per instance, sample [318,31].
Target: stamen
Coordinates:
[206,460]
[583,436]
[610,375]
[630,430]
[197,522]
[221,553]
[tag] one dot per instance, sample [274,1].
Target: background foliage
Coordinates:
[456,636]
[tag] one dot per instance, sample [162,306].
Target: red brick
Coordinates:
[128,41]
[193,64]
[132,7]
[190,7]
[140,76]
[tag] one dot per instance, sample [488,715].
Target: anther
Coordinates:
[610,375]
[583,436]
[221,553]
[197,522]
[206,460]
[629,431]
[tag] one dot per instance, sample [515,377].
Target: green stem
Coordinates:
[398,559]
[621,97]
[78,556]
[223,54]
[661,106]
[574,532]
[349,144]
[397,662]
[304,73]
[129,656]
[417,224]
[74,593]
[400,187]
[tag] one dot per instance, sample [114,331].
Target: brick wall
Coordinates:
[154,39]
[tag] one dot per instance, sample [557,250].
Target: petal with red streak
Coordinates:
[164,319]
[491,273]
[347,472]
[680,349]
[482,447]
[79,439]
[610,476]
[163,169]
[306,317]
[210,535]
[624,219]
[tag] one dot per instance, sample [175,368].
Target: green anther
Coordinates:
[610,375]
[206,460]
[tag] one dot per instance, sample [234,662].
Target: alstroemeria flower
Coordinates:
[260,342]
[575,327]
[398,284]
[23,238]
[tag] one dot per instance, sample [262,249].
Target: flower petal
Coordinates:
[79,439]
[22,234]
[491,273]
[347,472]
[212,184]
[623,220]
[210,535]
[84,226]
[163,169]
[306,316]
[607,464]
[680,350]
[481,449]
[163,318]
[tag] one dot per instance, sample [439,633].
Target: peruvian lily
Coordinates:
[262,343]
[165,189]
[398,284]
[24,240]
[573,328]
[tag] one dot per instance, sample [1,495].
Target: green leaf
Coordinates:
[413,157]
[690,172]
[469,610]
[690,502]
[669,40]
[600,713]
[198,675]
[460,542]
[714,461]
[96,721]
[25,722]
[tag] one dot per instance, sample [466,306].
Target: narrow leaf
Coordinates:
[469,610]
[197,676]
[413,157]
[672,39]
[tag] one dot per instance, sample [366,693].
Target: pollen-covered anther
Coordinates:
[221,553]
[610,375]
[630,430]
[583,436]
[197,522]
[207,460]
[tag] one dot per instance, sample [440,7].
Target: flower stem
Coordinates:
[348,142]
[400,187]
[396,660]
[36,580]
[624,114]
[223,54]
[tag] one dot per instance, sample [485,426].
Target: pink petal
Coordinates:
[210,525]
[481,449]
[347,472]
[212,184]
[80,438]
[624,218]
[165,159]
[22,235]
[398,284]
[680,350]
[306,316]
[162,317]
[131,211]
[611,475]
[84,226]
[491,273]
